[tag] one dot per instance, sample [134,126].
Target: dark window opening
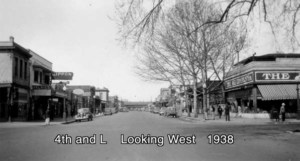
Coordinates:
[41,78]
[36,76]
[21,68]
[25,70]
[16,66]
[47,79]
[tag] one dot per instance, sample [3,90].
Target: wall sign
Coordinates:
[238,81]
[41,87]
[262,76]
[62,76]
[41,92]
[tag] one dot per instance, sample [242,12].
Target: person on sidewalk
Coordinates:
[47,116]
[212,112]
[227,109]
[239,113]
[220,111]
[282,112]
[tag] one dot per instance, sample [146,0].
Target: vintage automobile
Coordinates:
[171,111]
[107,111]
[162,111]
[125,109]
[156,110]
[83,114]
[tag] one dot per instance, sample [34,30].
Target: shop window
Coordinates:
[16,66]
[25,70]
[21,68]
[36,76]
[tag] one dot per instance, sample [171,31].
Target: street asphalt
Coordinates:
[150,135]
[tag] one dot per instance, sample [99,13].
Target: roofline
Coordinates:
[16,46]
[39,56]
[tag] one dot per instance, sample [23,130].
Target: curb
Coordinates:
[69,122]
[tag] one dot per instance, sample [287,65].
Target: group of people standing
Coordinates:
[275,114]
[227,111]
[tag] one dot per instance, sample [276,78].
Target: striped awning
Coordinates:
[278,92]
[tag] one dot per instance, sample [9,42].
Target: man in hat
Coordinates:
[282,112]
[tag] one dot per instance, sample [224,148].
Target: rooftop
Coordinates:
[4,45]
[290,61]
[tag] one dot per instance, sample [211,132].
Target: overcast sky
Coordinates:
[78,36]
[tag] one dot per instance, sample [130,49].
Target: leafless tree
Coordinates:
[138,18]
[177,54]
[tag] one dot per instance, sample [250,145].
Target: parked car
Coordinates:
[125,109]
[171,111]
[107,111]
[114,110]
[162,111]
[83,114]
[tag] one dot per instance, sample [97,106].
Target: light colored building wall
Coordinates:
[6,68]
[40,60]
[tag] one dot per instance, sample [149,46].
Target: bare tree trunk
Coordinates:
[223,87]
[195,97]
[187,104]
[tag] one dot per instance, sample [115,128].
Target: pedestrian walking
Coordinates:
[47,117]
[212,112]
[282,112]
[239,111]
[220,111]
[227,109]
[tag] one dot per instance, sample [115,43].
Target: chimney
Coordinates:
[11,39]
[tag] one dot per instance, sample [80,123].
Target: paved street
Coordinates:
[251,142]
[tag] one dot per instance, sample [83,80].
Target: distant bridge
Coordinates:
[136,104]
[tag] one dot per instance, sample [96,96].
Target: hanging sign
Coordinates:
[78,91]
[62,76]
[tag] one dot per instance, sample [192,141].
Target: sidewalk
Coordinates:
[233,120]
[56,121]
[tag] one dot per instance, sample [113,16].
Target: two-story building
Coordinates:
[103,94]
[40,83]
[14,81]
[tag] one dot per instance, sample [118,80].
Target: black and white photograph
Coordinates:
[149,80]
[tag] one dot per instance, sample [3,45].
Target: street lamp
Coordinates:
[64,114]
[298,104]
[204,101]
[94,104]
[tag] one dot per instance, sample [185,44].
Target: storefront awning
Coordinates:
[278,92]
[5,85]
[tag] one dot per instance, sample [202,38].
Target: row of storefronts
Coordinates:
[28,86]
[260,83]
[256,84]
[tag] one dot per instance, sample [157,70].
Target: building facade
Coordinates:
[14,81]
[260,83]
[88,99]
[103,94]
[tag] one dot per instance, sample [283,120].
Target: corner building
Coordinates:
[259,83]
